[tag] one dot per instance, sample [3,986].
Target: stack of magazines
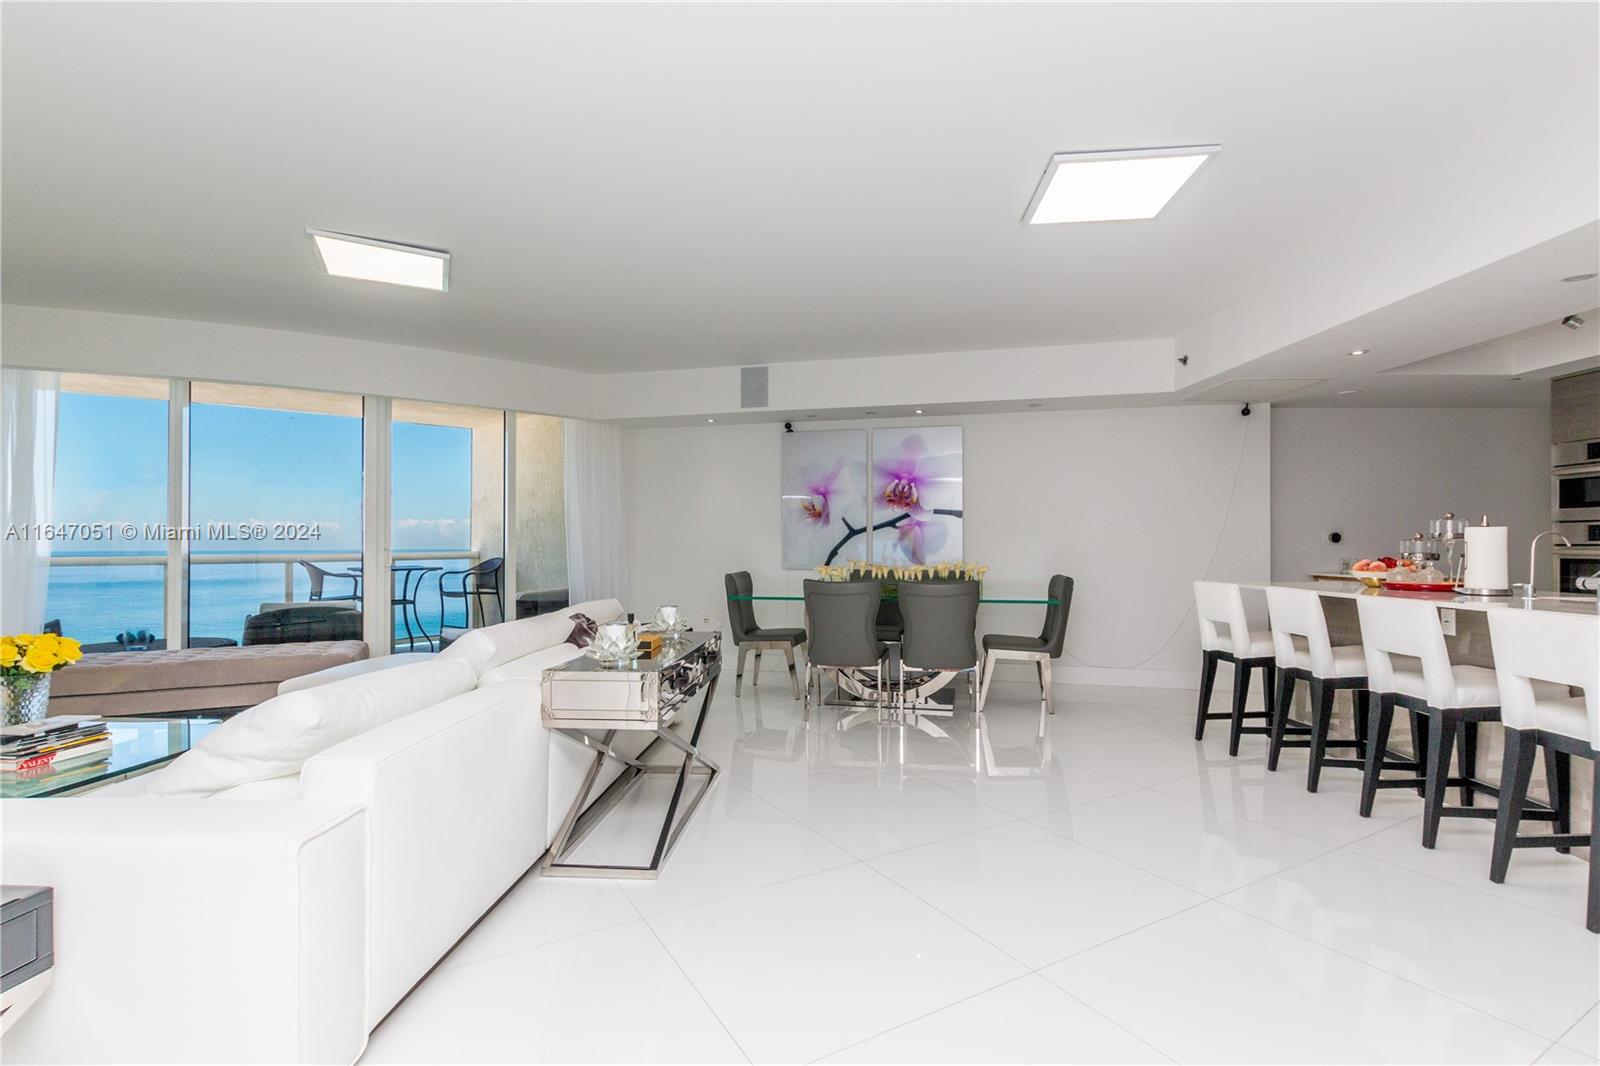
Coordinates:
[54,744]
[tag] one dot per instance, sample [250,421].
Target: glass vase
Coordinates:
[24,698]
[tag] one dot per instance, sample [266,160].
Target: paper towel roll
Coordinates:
[1486,558]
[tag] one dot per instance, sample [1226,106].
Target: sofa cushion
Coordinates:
[273,788]
[355,669]
[140,671]
[492,646]
[275,738]
[530,667]
[600,610]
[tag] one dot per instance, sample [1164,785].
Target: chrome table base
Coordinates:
[580,822]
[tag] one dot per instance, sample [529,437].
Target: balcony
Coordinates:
[224,590]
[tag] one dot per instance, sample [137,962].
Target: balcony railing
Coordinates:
[289,562]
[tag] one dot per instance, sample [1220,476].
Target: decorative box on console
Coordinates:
[643,693]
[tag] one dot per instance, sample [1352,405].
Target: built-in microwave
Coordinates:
[1575,453]
[1575,493]
[1574,564]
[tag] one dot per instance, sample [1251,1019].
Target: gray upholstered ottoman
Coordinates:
[194,679]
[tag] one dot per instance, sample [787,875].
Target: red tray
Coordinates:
[1420,586]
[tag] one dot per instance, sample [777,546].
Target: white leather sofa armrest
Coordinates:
[458,793]
[190,931]
[355,669]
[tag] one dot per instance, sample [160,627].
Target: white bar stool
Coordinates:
[1532,647]
[1304,652]
[1220,606]
[1453,700]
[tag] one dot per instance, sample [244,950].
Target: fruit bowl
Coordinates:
[1370,578]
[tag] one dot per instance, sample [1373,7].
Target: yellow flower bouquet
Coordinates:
[26,662]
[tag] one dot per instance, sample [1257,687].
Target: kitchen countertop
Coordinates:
[1542,602]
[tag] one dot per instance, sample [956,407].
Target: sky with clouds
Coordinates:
[251,464]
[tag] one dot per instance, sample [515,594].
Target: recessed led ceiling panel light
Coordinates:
[346,256]
[1361,351]
[1113,186]
[1581,277]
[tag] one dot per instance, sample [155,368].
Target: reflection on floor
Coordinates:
[1110,891]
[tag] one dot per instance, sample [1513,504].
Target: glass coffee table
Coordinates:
[138,745]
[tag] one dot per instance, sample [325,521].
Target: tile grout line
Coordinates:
[1568,1031]
[1348,846]
[1387,973]
[1033,970]
[1329,849]
[677,964]
[529,947]
[921,1017]
[701,995]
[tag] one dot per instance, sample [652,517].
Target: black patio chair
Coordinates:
[472,584]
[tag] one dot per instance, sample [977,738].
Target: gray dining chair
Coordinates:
[940,620]
[844,620]
[1038,650]
[749,635]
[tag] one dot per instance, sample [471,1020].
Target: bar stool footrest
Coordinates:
[1554,840]
[1468,812]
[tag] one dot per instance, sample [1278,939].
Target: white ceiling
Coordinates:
[670,186]
[1491,337]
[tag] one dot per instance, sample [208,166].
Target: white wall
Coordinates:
[1134,504]
[901,382]
[1377,475]
[101,342]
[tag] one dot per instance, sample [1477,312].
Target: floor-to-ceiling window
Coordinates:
[447,519]
[275,501]
[541,515]
[108,566]
[215,514]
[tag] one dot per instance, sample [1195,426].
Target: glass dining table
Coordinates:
[922,694]
[1040,602]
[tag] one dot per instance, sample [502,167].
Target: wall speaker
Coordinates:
[752,386]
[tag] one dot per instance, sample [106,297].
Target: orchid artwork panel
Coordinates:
[824,487]
[916,495]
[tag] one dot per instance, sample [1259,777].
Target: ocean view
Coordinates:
[96,603]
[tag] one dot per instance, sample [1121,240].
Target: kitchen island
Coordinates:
[1466,624]
[1329,586]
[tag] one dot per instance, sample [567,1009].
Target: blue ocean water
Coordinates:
[96,603]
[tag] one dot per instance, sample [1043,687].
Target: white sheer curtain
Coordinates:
[597,540]
[28,440]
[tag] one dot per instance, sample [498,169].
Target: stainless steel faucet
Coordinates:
[1533,554]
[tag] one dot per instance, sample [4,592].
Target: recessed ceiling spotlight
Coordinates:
[919,410]
[811,416]
[347,256]
[1036,405]
[1113,186]
[710,420]
[872,414]
[1349,392]
[1361,351]
[1590,276]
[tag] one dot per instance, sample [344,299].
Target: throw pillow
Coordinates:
[583,631]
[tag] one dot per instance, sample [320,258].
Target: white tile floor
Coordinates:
[1109,892]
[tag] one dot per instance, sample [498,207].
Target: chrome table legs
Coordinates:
[579,821]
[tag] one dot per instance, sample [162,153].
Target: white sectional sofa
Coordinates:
[271,895]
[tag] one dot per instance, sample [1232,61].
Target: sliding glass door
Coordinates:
[208,514]
[447,522]
[108,565]
[275,503]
